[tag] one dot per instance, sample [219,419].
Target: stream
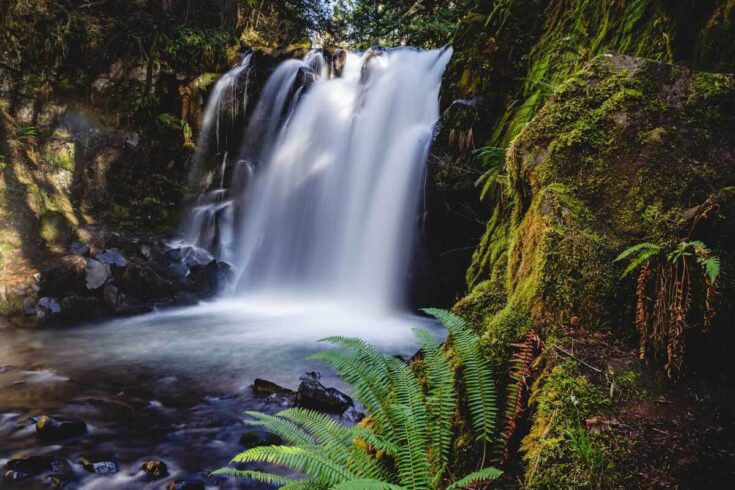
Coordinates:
[170,385]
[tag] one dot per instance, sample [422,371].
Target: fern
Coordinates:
[477,373]
[441,401]
[286,430]
[367,485]
[485,474]
[268,478]
[410,433]
[639,254]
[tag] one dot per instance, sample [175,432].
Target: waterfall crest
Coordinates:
[323,199]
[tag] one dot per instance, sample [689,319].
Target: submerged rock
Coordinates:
[28,466]
[314,395]
[101,464]
[56,428]
[255,438]
[265,387]
[186,485]
[11,475]
[155,469]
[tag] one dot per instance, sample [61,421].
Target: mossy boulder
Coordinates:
[625,151]
[619,154]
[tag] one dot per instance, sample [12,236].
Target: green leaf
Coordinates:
[482,475]
[269,478]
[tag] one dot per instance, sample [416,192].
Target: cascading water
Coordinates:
[322,201]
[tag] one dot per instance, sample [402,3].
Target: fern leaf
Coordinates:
[636,248]
[269,478]
[639,260]
[368,388]
[368,484]
[484,474]
[442,396]
[711,267]
[477,373]
[285,429]
[310,460]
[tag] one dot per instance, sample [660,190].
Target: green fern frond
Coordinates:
[332,436]
[477,373]
[484,474]
[310,460]
[303,485]
[370,390]
[639,260]
[285,429]
[368,484]
[711,267]
[636,248]
[442,395]
[269,478]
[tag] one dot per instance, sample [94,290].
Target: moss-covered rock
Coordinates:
[619,152]
[627,150]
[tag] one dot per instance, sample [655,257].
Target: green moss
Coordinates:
[55,228]
[503,329]
[558,451]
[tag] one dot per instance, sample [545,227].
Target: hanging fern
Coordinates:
[407,442]
[666,287]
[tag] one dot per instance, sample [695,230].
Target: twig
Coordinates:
[577,359]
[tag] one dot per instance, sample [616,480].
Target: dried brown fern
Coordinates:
[522,364]
[665,292]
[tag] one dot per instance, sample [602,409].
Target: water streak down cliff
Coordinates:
[324,198]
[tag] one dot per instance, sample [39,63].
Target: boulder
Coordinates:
[47,307]
[68,277]
[185,298]
[314,395]
[57,428]
[143,282]
[112,256]
[265,387]
[219,276]
[193,256]
[97,274]
[155,469]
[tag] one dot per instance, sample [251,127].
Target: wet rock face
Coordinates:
[314,395]
[143,282]
[57,428]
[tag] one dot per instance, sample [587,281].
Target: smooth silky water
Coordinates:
[317,215]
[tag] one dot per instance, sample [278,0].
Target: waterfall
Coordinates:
[323,200]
